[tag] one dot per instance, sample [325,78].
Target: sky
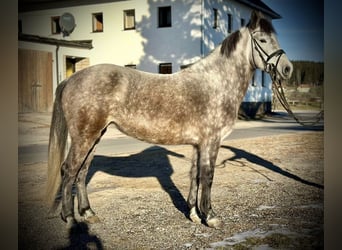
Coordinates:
[301,28]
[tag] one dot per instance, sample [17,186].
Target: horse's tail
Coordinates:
[56,151]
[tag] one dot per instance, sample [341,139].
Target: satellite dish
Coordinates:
[67,23]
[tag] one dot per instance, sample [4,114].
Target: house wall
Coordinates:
[147,45]
[259,94]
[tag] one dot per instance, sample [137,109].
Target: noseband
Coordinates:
[268,67]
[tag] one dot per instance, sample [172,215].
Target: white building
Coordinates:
[159,36]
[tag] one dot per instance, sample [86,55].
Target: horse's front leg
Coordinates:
[207,162]
[194,182]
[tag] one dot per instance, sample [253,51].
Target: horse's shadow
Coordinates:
[80,238]
[242,154]
[152,162]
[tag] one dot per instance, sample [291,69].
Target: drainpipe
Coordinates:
[57,67]
[202,28]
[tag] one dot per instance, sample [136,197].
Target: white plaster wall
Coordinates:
[213,37]
[147,46]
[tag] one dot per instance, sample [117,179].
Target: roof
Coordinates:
[30,5]
[83,44]
[259,5]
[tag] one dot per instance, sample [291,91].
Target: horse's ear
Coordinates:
[256,16]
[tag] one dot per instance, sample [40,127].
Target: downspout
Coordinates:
[57,67]
[202,28]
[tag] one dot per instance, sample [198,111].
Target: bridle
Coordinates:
[270,68]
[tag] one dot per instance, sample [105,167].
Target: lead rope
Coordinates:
[277,86]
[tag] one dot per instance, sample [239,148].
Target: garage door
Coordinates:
[34,81]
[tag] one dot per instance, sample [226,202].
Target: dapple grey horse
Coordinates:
[196,106]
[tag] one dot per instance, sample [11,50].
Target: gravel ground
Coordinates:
[268,191]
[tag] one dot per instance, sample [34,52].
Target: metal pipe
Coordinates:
[57,67]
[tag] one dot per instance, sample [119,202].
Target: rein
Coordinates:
[277,86]
[271,69]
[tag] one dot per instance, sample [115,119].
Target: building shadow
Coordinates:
[152,162]
[242,154]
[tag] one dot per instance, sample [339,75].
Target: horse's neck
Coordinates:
[233,73]
[239,73]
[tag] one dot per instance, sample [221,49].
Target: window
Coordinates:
[165,68]
[230,23]
[242,22]
[263,79]
[97,22]
[73,64]
[164,17]
[253,82]
[215,24]
[129,19]
[20,26]
[132,66]
[55,28]
[184,66]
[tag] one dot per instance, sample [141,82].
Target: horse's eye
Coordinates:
[262,40]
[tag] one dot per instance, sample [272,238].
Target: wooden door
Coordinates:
[34,81]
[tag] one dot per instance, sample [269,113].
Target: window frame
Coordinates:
[55,26]
[95,22]
[163,22]
[263,78]
[168,66]
[253,80]
[20,26]
[242,22]
[132,66]
[215,22]
[125,16]
[230,23]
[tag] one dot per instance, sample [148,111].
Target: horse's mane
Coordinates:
[264,24]
[229,44]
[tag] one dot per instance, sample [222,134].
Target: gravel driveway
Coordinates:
[267,190]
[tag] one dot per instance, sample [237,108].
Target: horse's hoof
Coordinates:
[194,216]
[71,223]
[214,222]
[90,217]
[93,219]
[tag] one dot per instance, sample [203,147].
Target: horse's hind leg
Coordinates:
[82,195]
[77,157]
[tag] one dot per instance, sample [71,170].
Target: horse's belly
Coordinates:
[167,133]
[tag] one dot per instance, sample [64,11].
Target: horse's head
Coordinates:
[266,52]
